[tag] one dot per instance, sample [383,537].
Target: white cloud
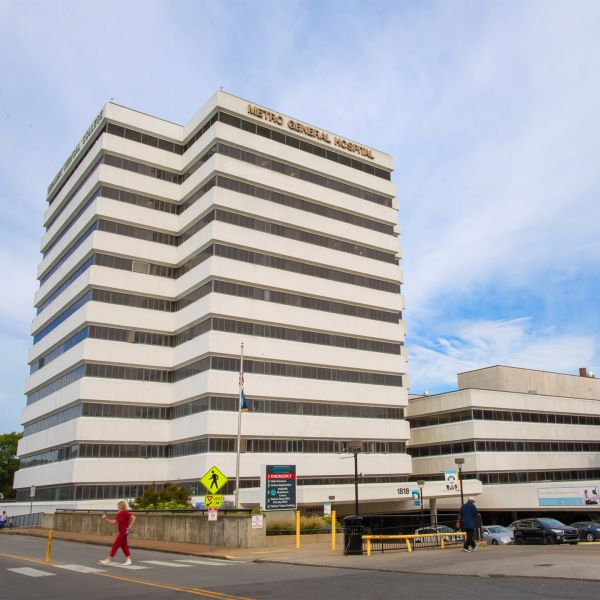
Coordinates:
[467,345]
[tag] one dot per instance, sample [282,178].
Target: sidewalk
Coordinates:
[563,561]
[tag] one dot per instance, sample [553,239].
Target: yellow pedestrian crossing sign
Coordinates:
[213,480]
[213,500]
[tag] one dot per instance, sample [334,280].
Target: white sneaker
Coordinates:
[127,563]
[106,561]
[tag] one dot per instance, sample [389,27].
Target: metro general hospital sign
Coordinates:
[323,136]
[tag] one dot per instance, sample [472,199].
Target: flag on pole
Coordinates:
[243,403]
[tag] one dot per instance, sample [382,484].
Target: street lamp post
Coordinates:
[354,447]
[459,462]
[421,483]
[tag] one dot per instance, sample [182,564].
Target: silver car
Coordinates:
[496,534]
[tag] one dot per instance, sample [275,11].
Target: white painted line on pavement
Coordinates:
[195,561]
[163,563]
[79,568]
[30,572]
[130,567]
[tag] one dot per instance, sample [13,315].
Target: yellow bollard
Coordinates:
[333,532]
[297,529]
[369,547]
[408,545]
[48,548]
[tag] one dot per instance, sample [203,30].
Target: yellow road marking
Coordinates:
[177,588]
[33,560]
[166,586]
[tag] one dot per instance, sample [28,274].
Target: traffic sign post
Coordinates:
[213,480]
[213,501]
[212,519]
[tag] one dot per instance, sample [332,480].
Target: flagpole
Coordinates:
[239,431]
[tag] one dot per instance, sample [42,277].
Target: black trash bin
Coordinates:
[353,532]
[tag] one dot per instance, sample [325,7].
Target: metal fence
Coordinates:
[30,520]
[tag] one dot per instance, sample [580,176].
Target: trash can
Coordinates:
[353,532]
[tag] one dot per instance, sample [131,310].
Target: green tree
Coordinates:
[168,496]
[9,462]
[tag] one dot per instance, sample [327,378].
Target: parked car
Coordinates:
[497,534]
[543,530]
[588,530]
[436,540]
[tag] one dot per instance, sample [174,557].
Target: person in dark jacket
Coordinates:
[468,523]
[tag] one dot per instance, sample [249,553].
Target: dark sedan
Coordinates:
[543,531]
[588,530]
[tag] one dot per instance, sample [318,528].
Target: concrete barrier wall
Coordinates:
[229,531]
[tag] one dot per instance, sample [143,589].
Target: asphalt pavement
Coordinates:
[578,562]
[75,573]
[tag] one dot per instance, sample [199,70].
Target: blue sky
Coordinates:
[491,110]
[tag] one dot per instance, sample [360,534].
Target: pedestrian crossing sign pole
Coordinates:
[213,480]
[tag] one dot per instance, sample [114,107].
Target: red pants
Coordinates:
[120,542]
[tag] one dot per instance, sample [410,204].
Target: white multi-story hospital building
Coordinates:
[166,248]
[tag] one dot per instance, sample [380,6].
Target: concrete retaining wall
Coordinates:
[229,531]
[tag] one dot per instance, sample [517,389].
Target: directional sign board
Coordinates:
[278,487]
[214,500]
[213,480]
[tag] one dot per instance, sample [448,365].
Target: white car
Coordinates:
[496,534]
[435,540]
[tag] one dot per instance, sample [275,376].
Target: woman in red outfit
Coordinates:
[125,521]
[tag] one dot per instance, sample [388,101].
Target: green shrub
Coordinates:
[280,525]
[169,497]
[311,523]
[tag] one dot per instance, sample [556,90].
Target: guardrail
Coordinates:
[400,542]
[28,520]
[184,511]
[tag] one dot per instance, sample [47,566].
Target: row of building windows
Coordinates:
[296,172]
[230,218]
[218,363]
[294,142]
[70,279]
[503,446]
[212,403]
[201,446]
[220,181]
[90,171]
[248,157]
[215,324]
[250,189]
[276,262]
[234,121]
[251,127]
[219,287]
[133,490]
[69,224]
[59,350]
[69,251]
[503,415]
[223,251]
[229,184]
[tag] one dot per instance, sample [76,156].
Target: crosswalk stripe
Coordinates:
[163,563]
[130,567]
[30,572]
[195,561]
[79,568]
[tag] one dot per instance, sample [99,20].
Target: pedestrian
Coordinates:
[468,523]
[3,519]
[125,520]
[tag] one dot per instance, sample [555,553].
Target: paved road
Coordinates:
[75,574]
